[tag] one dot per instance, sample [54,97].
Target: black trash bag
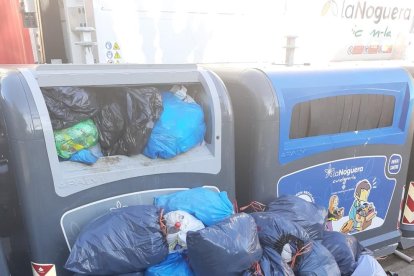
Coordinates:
[227,248]
[318,261]
[307,214]
[143,109]
[277,234]
[123,241]
[110,119]
[345,249]
[68,106]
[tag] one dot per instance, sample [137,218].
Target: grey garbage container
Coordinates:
[339,137]
[4,267]
[57,198]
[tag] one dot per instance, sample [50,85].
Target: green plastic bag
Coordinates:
[75,138]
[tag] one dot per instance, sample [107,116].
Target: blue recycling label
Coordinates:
[356,191]
[394,164]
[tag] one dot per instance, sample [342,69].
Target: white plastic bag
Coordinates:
[367,265]
[178,224]
[181,92]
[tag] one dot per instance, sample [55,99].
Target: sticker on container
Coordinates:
[43,269]
[117,56]
[109,54]
[356,191]
[394,164]
[108,45]
[116,46]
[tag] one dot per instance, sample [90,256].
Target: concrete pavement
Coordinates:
[395,264]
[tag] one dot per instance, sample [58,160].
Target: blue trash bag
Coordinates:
[272,264]
[180,128]
[175,264]
[87,156]
[307,214]
[206,205]
[318,261]
[227,248]
[345,249]
[276,232]
[367,265]
[122,241]
[123,274]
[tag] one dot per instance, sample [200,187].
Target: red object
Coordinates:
[372,49]
[358,49]
[177,225]
[15,46]
[42,269]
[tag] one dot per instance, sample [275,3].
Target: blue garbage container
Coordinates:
[339,137]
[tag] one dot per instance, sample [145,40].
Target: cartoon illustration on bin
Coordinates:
[361,212]
[334,212]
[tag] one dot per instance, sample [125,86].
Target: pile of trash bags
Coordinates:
[89,124]
[199,232]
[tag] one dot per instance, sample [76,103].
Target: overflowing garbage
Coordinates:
[198,232]
[123,121]
[208,206]
[228,248]
[345,249]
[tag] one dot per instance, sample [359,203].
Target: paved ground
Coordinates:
[395,264]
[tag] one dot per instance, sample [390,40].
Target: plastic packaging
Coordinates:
[227,248]
[122,241]
[178,224]
[180,128]
[318,261]
[344,248]
[181,92]
[174,264]
[307,214]
[68,106]
[206,205]
[75,138]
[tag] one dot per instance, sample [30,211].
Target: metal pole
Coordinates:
[402,256]
[290,50]
[42,58]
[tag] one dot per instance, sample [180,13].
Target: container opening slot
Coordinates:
[339,114]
